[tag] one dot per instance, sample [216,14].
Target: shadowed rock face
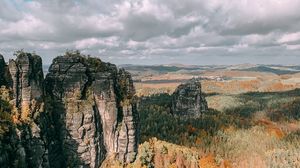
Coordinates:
[27,87]
[4,73]
[83,112]
[188,100]
[93,112]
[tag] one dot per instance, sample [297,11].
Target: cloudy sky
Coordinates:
[155,31]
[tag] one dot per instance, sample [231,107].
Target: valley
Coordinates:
[252,121]
[93,114]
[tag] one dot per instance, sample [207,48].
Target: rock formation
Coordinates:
[82,113]
[188,100]
[4,73]
[27,76]
[27,86]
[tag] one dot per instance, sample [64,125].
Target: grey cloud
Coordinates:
[153,30]
[143,27]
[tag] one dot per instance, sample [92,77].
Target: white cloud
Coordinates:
[293,47]
[29,27]
[94,42]
[156,30]
[290,37]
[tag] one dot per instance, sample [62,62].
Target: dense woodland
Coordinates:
[223,137]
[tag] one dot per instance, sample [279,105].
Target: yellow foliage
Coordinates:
[25,111]
[173,166]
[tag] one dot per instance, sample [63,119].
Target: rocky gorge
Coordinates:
[81,113]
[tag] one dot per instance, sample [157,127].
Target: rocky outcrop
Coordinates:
[82,113]
[188,100]
[93,112]
[23,94]
[27,86]
[4,73]
[27,76]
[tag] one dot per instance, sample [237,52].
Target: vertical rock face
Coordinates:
[4,73]
[82,113]
[27,87]
[27,76]
[92,112]
[188,100]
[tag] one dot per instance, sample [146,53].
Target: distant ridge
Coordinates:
[277,71]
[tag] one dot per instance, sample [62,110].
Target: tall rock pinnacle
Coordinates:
[188,100]
[27,87]
[27,76]
[93,112]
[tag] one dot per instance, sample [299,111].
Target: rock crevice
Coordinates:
[26,84]
[82,112]
[93,87]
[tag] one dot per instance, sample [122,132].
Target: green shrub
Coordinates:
[5,117]
[241,111]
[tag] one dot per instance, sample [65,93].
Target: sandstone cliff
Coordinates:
[83,112]
[188,100]
[4,73]
[27,76]
[25,80]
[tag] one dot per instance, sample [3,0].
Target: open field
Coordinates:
[224,79]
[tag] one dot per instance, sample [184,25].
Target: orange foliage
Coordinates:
[15,119]
[173,166]
[226,164]
[233,86]
[208,162]
[265,122]
[278,86]
[198,141]
[276,131]
[229,129]
[249,85]
[272,128]
[191,129]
